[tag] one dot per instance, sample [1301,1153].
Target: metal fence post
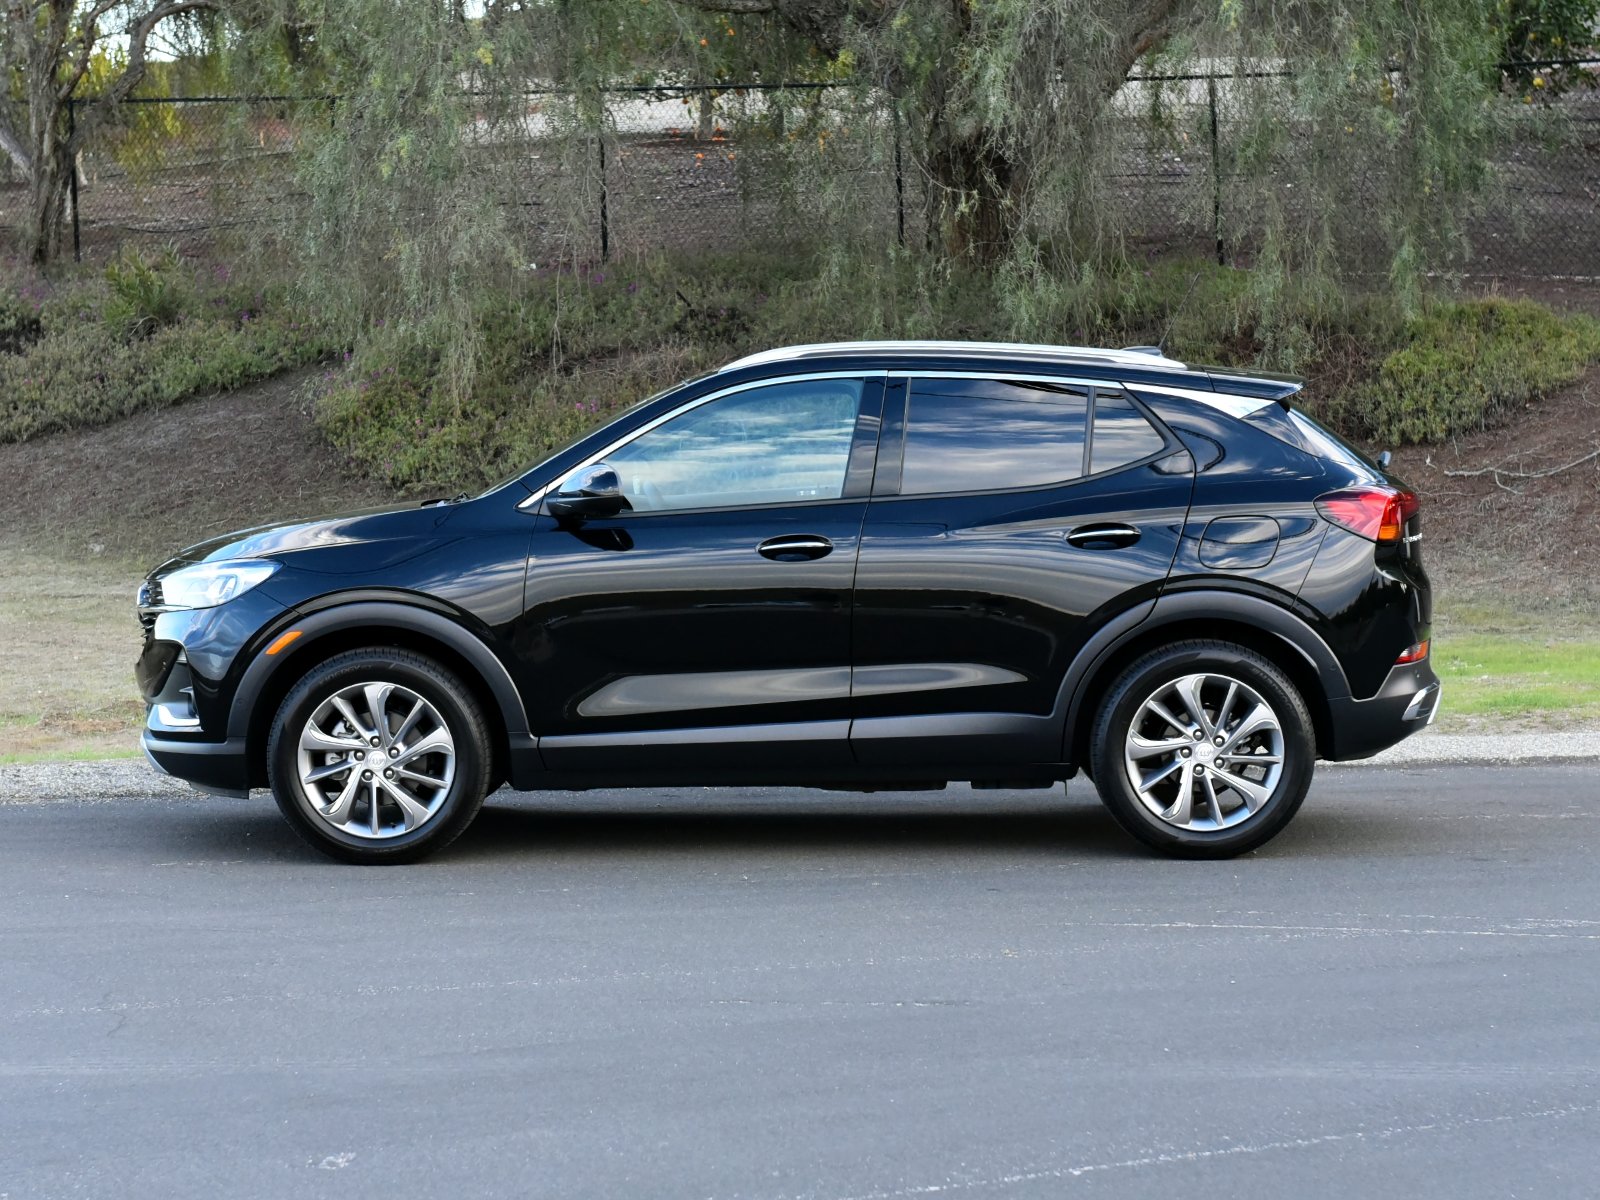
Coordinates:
[1216,171]
[899,180]
[72,177]
[605,216]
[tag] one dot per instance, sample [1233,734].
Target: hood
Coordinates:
[393,523]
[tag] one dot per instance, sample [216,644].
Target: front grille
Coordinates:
[150,599]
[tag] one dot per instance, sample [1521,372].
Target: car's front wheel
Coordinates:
[1203,749]
[379,755]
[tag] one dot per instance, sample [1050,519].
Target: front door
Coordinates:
[1025,512]
[709,625]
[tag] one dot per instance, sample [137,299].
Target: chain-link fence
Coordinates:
[688,167]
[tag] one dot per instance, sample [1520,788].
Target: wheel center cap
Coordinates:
[1205,753]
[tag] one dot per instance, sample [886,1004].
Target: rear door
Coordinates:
[1010,517]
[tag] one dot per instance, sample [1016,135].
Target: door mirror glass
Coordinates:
[592,491]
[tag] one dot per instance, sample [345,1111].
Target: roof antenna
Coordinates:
[1159,350]
[1172,318]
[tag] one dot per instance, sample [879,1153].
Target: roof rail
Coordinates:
[1136,357]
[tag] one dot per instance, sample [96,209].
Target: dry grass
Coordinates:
[71,639]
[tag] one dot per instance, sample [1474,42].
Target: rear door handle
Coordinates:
[795,547]
[1103,536]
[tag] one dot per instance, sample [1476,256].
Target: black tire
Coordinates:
[1125,700]
[457,710]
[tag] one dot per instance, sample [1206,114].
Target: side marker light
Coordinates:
[282,640]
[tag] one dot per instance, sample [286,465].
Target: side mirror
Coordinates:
[592,491]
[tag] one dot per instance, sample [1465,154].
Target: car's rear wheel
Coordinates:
[379,756]
[1203,749]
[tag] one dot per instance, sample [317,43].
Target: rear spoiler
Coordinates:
[1256,384]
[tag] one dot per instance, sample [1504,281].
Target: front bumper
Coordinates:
[1407,702]
[221,768]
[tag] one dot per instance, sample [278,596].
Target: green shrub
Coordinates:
[81,369]
[1471,365]
[19,323]
[146,292]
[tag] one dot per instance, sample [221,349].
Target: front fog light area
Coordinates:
[206,585]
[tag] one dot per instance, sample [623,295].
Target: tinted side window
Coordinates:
[777,444]
[1121,433]
[973,435]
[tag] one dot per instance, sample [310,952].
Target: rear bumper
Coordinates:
[218,767]
[1407,702]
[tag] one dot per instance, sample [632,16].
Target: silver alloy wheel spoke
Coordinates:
[1181,808]
[439,739]
[338,812]
[1260,717]
[1212,782]
[377,695]
[1211,801]
[411,719]
[318,774]
[315,739]
[1225,709]
[1149,781]
[376,760]
[414,814]
[1254,794]
[418,777]
[1165,714]
[343,705]
[1188,689]
[1141,747]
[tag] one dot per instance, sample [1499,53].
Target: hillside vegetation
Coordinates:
[566,349]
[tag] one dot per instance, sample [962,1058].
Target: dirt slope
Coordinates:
[1520,539]
[157,481]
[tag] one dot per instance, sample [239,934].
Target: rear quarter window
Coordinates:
[1122,434]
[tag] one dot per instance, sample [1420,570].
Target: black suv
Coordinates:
[863,566]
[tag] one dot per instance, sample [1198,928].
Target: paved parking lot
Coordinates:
[765,994]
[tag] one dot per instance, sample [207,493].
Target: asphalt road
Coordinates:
[764,994]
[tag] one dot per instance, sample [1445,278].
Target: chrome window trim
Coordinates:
[537,497]
[1007,377]
[1225,402]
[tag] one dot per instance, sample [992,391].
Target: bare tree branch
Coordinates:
[1495,473]
[138,47]
[15,148]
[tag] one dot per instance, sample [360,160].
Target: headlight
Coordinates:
[206,585]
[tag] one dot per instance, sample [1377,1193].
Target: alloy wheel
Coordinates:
[376,760]
[1204,752]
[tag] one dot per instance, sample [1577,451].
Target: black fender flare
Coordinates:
[382,614]
[1173,607]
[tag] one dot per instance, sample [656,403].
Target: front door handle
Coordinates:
[795,547]
[1103,536]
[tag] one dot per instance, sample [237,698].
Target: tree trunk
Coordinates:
[974,197]
[51,178]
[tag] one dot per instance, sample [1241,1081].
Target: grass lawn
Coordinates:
[1530,677]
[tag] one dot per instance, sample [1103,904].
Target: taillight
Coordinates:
[1376,513]
[1413,654]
